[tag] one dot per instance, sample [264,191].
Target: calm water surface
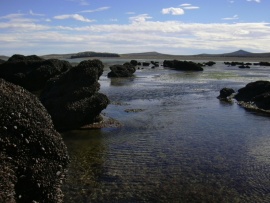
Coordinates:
[183,145]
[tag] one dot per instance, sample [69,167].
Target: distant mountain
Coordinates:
[239,53]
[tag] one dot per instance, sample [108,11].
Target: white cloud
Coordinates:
[235,17]
[12,16]
[95,10]
[189,7]
[73,16]
[173,11]
[257,1]
[184,5]
[28,36]
[35,14]
[139,18]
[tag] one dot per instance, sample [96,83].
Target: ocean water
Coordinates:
[180,144]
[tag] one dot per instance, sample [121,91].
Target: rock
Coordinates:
[31,72]
[28,173]
[155,63]
[210,63]
[125,70]
[72,98]
[182,65]
[134,62]
[255,93]
[225,93]
[244,66]
[264,64]
[145,64]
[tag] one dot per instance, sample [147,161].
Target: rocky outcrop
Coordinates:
[182,65]
[31,72]
[33,156]
[125,70]
[225,93]
[72,98]
[255,95]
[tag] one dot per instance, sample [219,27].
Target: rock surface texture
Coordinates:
[33,155]
[255,95]
[72,98]
[125,70]
[31,72]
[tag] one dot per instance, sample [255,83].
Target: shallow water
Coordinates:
[184,145]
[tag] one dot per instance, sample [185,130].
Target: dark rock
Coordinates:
[210,63]
[2,61]
[182,65]
[264,64]
[257,93]
[233,63]
[31,72]
[134,62]
[72,98]
[33,155]
[145,64]
[225,93]
[125,70]
[243,66]
[155,63]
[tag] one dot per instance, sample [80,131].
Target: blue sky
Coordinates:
[129,26]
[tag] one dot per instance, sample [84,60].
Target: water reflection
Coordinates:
[121,81]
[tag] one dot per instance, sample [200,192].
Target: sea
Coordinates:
[177,142]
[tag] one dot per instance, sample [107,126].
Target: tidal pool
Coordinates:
[182,145]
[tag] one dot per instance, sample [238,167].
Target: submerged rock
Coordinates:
[72,98]
[31,72]
[255,93]
[125,70]
[33,155]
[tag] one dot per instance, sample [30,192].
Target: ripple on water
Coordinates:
[186,146]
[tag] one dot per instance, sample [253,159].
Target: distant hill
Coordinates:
[239,53]
[93,54]
[5,58]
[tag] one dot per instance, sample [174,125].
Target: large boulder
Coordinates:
[182,65]
[125,70]
[72,98]
[225,93]
[31,72]
[255,93]
[33,155]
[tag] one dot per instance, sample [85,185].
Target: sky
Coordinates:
[180,27]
